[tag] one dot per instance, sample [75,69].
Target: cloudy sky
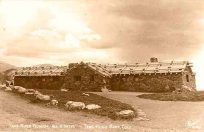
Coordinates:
[59,32]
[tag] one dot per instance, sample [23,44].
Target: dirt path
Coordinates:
[17,114]
[165,114]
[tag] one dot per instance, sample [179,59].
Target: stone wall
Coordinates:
[39,82]
[83,78]
[189,79]
[147,83]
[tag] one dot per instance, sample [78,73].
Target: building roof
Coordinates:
[139,68]
[41,71]
[110,69]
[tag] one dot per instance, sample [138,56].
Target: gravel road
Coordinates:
[181,116]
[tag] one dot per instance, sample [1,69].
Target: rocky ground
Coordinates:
[17,114]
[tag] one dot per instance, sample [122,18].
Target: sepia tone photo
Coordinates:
[101,65]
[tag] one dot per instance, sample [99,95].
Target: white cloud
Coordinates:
[45,33]
[70,41]
[33,34]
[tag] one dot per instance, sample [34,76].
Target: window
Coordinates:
[187,78]
[77,78]
[92,78]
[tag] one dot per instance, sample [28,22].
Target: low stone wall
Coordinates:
[39,82]
[147,83]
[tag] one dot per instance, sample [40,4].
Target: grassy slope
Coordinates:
[108,108]
[5,66]
[197,96]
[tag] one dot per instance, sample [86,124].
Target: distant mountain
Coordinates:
[5,66]
[6,71]
[43,65]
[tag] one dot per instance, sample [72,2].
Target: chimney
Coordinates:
[153,59]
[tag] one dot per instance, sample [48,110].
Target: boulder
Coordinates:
[30,92]
[22,90]
[63,90]
[71,105]
[92,106]
[43,97]
[85,94]
[7,89]
[54,102]
[15,88]
[36,92]
[126,113]
[3,87]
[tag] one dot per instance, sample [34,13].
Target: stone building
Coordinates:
[42,77]
[153,76]
[85,77]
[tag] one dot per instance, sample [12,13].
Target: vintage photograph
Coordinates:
[102,65]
